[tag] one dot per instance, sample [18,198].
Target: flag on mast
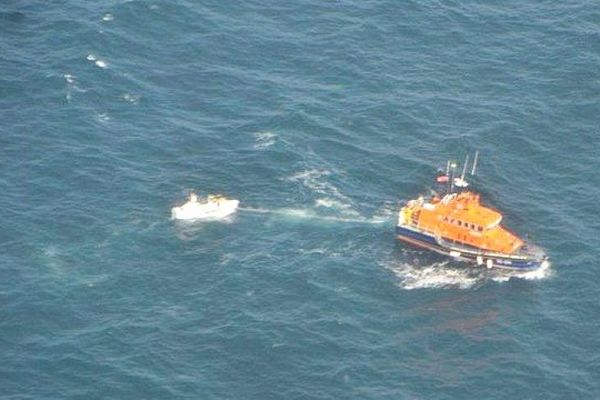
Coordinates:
[442,177]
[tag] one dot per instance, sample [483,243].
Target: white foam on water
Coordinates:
[70,83]
[328,203]
[53,258]
[102,117]
[308,214]
[264,140]
[131,98]
[314,179]
[318,250]
[540,273]
[108,17]
[99,63]
[296,212]
[442,275]
[543,272]
[255,210]
[51,251]
[334,204]
[188,230]
[227,259]
[385,213]
[317,181]
[437,275]
[289,212]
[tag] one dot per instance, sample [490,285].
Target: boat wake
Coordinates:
[448,275]
[319,182]
[437,275]
[71,86]
[330,204]
[311,214]
[264,140]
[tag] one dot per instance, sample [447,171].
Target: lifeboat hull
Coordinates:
[519,262]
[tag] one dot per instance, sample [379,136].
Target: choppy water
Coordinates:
[319,117]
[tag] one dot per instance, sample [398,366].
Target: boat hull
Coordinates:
[490,260]
[210,211]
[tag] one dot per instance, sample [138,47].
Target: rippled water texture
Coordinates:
[319,117]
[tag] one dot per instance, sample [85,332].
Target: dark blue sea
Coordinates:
[320,117]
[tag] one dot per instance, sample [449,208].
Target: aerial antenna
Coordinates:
[462,176]
[453,168]
[449,184]
[475,162]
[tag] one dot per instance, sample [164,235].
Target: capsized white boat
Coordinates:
[213,207]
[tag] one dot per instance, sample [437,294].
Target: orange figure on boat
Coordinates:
[458,225]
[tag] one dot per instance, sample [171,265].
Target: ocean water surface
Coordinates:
[319,117]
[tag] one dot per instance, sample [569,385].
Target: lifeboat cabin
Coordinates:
[459,226]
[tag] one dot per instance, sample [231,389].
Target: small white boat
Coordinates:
[213,207]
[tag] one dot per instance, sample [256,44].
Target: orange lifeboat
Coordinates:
[458,225]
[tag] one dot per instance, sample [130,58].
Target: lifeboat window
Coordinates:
[473,226]
[480,228]
[459,223]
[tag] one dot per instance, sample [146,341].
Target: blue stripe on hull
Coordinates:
[415,235]
[429,242]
